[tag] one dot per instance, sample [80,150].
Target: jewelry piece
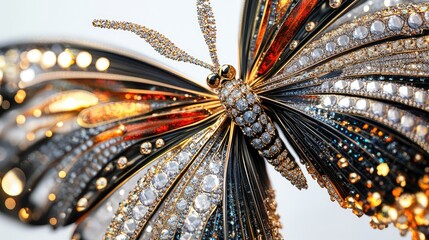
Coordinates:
[130,150]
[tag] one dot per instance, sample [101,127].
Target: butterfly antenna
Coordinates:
[207,24]
[158,41]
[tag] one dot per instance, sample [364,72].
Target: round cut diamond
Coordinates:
[181,204]
[390,89]
[236,93]
[139,211]
[214,167]
[341,84]
[345,102]
[266,138]
[172,221]
[257,127]
[122,237]
[317,53]
[239,121]
[263,119]
[330,46]
[251,98]
[377,27]
[202,203]
[249,117]
[373,87]
[186,236]
[129,226]
[395,23]
[422,131]
[415,20]
[329,101]
[257,109]
[248,131]
[241,105]
[427,16]
[159,180]
[257,144]
[360,32]
[193,222]
[378,109]
[147,196]
[407,122]
[405,92]
[210,183]
[171,168]
[356,85]
[164,234]
[183,157]
[393,115]
[343,40]
[304,60]
[362,104]
[420,97]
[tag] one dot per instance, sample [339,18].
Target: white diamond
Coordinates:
[210,183]
[345,102]
[202,203]
[139,211]
[395,23]
[407,121]
[420,97]
[341,84]
[129,226]
[373,87]
[360,32]
[164,234]
[317,53]
[362,104]
[193,222]
[393,115]
[378,109]
[356,85]
[172,221]
[147,196]
[303,60]
[377,27]
[415,20]
[181,204]
[183,157]
[329,101]
[343,40]
[390,89]
[330,46]
[325,85]
[122,237]
[405,92]
[186,236]
[171,168]
[214,167]
[159,180]
[427,16]
[241,105]
[422,131]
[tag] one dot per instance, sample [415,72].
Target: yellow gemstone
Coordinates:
[424,182]
[374,199]
[24,214]
[82,204]
[101,183]
[354,177]
[343,163]
[422,199]
[383,169]
[400,179]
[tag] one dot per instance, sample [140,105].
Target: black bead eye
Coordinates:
[213,80]
[227,72]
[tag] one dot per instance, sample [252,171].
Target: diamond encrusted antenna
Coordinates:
[158,41]
[164,46]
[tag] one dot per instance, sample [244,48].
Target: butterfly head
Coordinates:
[225,73]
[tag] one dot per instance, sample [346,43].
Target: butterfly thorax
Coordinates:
[245,109]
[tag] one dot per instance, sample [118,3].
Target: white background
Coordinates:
[305,214]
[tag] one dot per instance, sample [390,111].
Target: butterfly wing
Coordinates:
[76,120]
[353,104]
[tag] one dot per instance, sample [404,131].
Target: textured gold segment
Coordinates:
[159,42]
[207,23]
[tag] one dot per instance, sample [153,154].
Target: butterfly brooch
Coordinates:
[128,149]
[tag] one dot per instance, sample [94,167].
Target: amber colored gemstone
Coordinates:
[383,169]
[424,182]
[369,184]
[400,179]
[397,191]
[354,177]
[342,163]
[406,200]
[422,199]
[374,199]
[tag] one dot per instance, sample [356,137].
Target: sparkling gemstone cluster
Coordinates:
[244,108]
